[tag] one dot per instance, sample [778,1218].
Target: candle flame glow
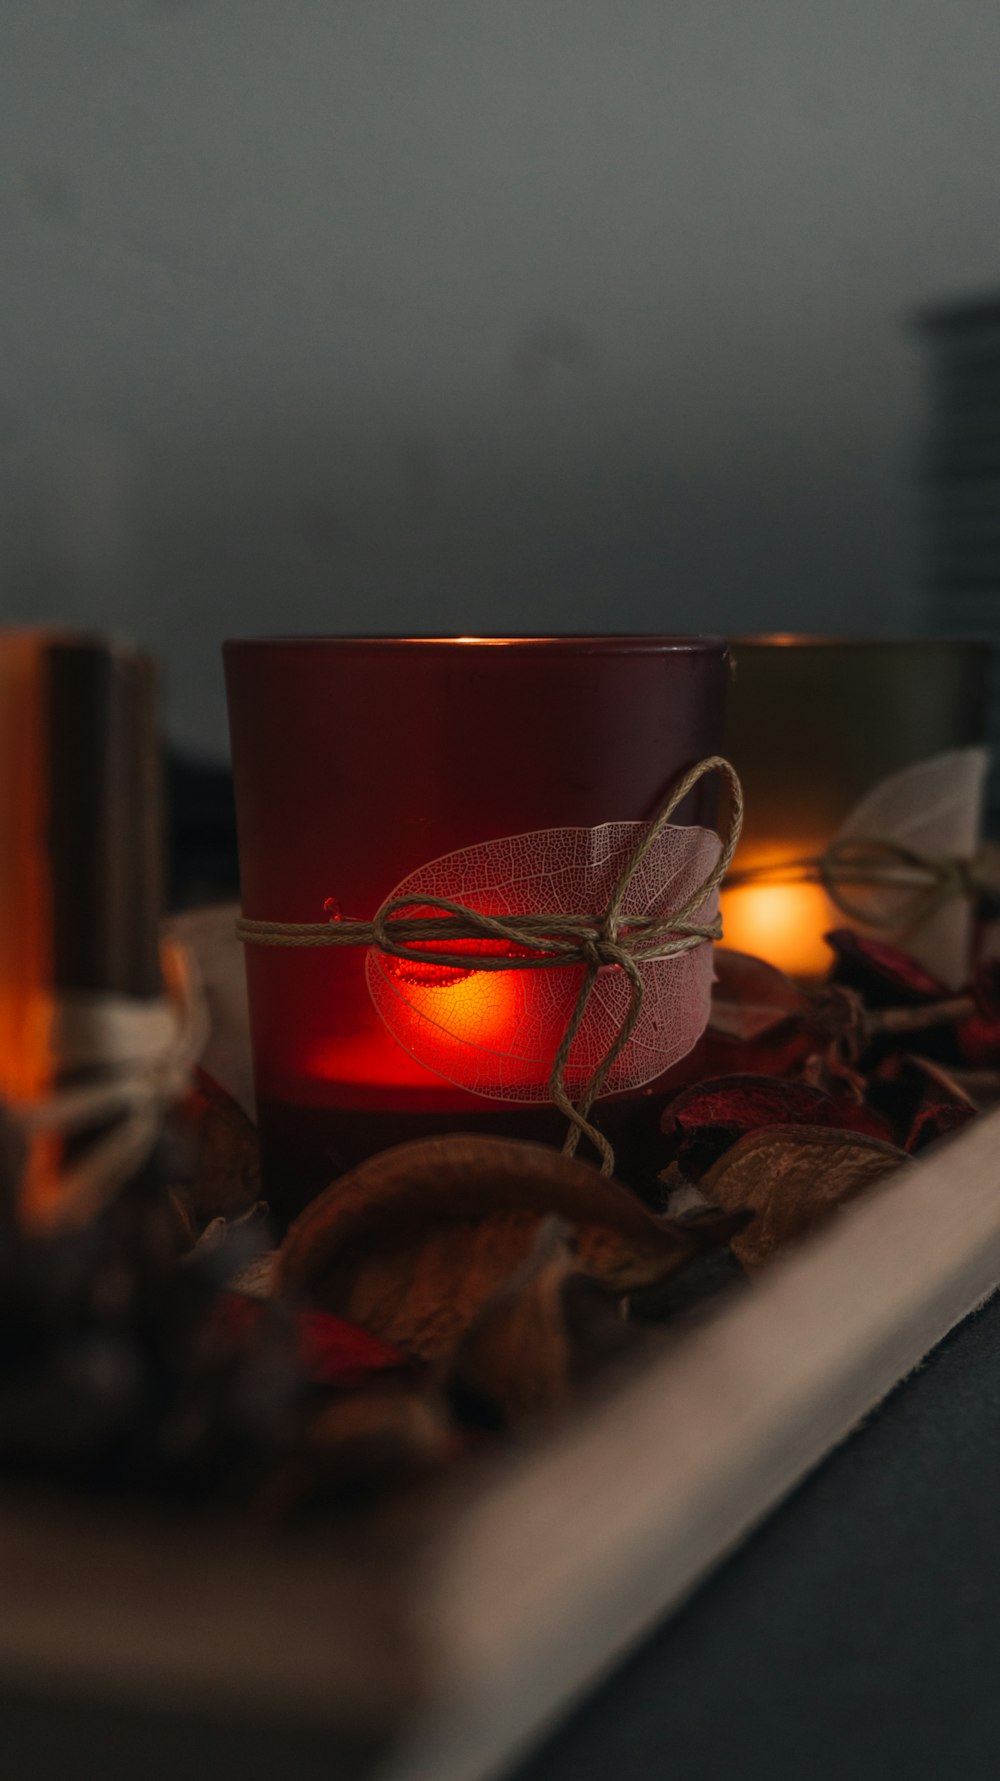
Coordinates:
[782,923]
[486,642]
[480,1008]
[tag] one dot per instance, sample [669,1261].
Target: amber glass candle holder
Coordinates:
[80,868]
[813,725]
[357,761]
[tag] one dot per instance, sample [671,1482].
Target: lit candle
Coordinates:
[358,762]
[782,920]
[813,726]
[80,863]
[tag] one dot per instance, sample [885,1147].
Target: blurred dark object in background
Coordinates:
[960,478]
[201,818]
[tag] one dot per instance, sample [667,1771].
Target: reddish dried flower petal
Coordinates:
[331,1350]
[774,1054]
[985,988]
[978,1040]
[881,973]
[750,998]
[701,1123]
[336,1352]
[936,1122]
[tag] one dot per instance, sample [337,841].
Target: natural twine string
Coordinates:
[592,940]
[922,884]
[138,1056]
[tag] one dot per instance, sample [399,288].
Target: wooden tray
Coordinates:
[441,1660]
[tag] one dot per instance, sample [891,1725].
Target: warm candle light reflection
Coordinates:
[26,963]
[782,923]
[480,1008]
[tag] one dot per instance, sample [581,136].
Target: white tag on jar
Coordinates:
[496,1032]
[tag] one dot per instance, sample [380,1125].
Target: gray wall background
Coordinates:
[442,315]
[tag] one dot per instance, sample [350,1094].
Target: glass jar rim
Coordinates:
[801,640]
[590,644]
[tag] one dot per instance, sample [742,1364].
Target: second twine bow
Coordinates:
[910,887]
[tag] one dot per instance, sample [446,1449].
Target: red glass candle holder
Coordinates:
[359,760]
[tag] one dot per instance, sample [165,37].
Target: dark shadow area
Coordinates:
[201,833]
[855,1638]
[77,1737]
[960,483]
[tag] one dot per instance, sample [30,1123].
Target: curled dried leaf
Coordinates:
[416,1241]
[935,1122]
[393,1416]
[329,1350]
[226,1179]
[702,1122]
[882,974]
[923,1099]
[793,1178]
[942,1084]
[985,989]
[364,1447]
[978,1040]
[751,998]
[514,1360]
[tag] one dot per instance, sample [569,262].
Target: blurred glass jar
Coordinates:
[813,726]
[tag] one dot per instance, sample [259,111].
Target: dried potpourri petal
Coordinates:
[793,1178]
[331,1351]
[514,1361]
[882,974]
[362,1450]
[918,1097]
[703,1122]
[783,1030]
[902,999]
[927,1099]
[414,1242]
[751,998]
[695,1291]
[978,1035]
[985,989]
[226,1174]
[937,1121]
[943,1085]
[761,1022]
[977,1042]
[544,1335]
[783,1053]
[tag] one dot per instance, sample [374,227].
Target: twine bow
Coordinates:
[137,1057]
[547,941]
[920,884]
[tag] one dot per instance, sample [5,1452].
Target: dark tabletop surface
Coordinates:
[856,1635]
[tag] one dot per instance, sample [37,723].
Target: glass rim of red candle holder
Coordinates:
[595,643]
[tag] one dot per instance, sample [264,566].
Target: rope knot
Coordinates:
[603,950]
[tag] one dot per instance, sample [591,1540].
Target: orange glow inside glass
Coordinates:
[783,923]
[469,1007]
